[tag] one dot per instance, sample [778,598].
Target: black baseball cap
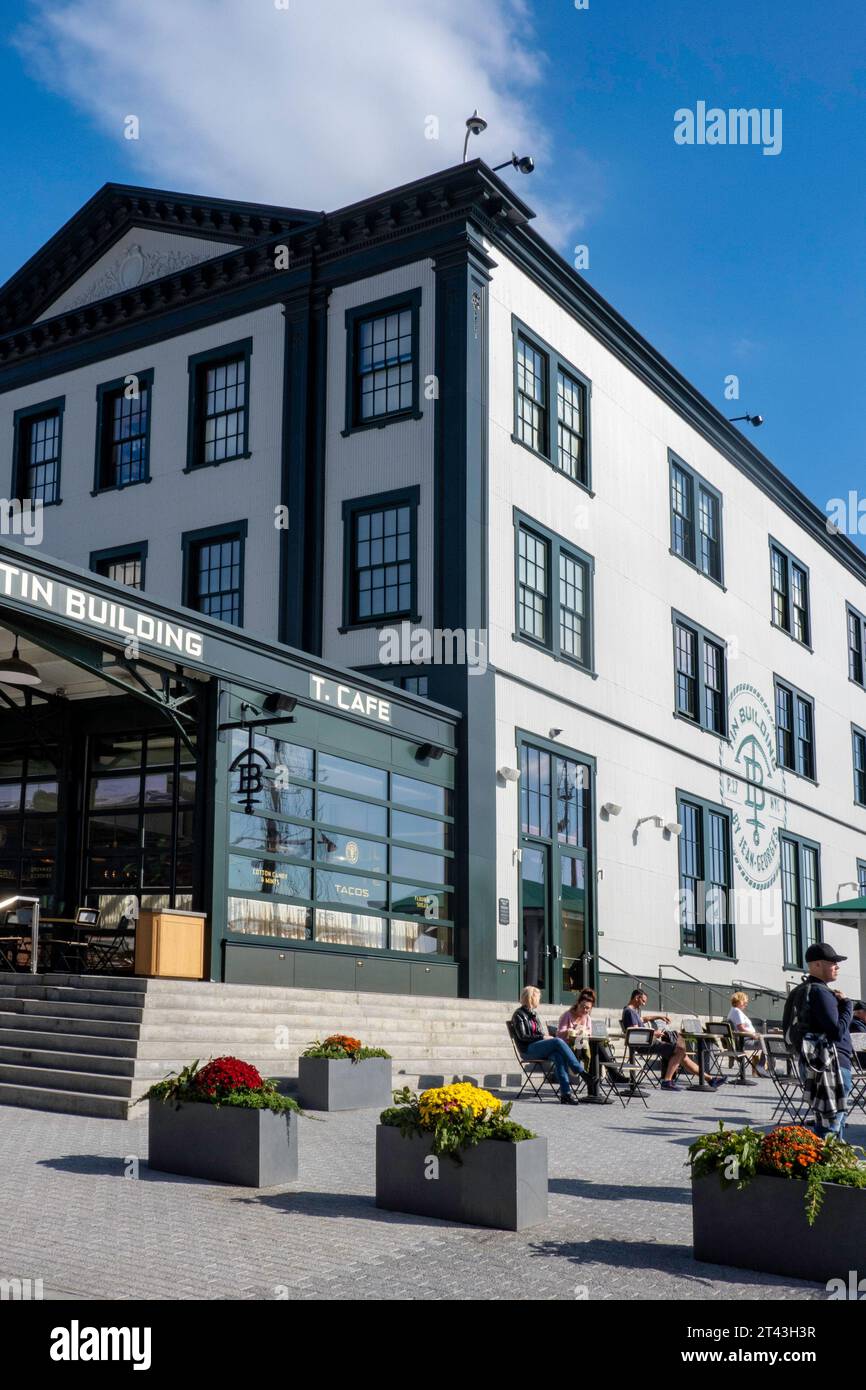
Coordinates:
[821,951]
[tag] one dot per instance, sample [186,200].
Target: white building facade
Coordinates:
[411,418]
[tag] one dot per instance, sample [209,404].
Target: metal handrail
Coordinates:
[630,975]
[34,924]
[688,976]
[764,989]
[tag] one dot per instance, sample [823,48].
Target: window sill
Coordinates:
[791,638]
[692,564]
[555,656]
[199,467]
[119,487]
[801,777]
[381,421]
[707,955]
[31,502]
[554,467]
[379,623]
[702,728]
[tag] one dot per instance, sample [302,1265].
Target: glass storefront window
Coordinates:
[11,762]
[297,760]
[362,816]
[421,939]
[40,796]
[343,851]
[160,750]
[265,833]
[268,876]
[114,791]
[350,929]
[415,901]
[419,830]
[351,888]
[10,796]
[255,917]
[420,796]
[113,831]
[414,863]
[115,751]
[352,777]
[10,835]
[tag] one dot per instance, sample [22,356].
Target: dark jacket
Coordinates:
[528,1027]
[824,1014]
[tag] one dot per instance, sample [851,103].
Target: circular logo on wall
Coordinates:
[352,852]
[752,785]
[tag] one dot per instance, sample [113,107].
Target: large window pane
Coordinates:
[352,777]
[268,876]
[420,796]
[342,812]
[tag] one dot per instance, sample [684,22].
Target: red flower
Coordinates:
[226,1074]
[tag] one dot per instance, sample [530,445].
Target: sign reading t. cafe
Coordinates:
[350,699]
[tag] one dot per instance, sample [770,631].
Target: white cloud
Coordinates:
[315,105]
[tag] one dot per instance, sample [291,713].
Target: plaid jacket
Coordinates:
[821,1077]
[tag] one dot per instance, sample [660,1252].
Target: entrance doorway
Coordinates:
[556,908]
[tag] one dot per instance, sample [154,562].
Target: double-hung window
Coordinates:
[858,738]
[553,593]
[551,406]
[380,563]
[382,370]
[38,435]
[214,571]
[795,730]
[856,645]
[700,676]
[124,564]
[800,896]
[706,908]
[789,594]
[696,520]
[123,431]
[219,391]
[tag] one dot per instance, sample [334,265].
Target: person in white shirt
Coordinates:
[742,1025]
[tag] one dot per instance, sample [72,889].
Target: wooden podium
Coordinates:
[170,942]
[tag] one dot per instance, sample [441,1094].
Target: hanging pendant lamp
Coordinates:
[14,671]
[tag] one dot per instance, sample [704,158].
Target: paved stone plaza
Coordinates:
[619,1223]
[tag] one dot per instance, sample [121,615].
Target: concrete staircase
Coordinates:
[92,1044]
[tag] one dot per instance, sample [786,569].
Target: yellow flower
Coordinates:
[462,1095]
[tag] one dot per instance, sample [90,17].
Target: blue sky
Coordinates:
[729,261]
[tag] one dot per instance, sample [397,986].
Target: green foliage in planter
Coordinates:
[242,1087]
[458,1117]
[342,1048]
[739,1155]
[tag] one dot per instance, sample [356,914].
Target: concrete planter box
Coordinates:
[498,1184]
[324,1084]
[764,1227]
[248,1148]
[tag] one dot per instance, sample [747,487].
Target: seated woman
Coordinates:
[574,1028]
[534,1044]
[743,1027]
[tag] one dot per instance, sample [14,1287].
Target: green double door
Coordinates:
[558,944]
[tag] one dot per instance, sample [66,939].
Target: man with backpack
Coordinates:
[816,1025]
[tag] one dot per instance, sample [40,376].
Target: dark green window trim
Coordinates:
[20,423]
[556,549]
[692,552]
[858,742]
[803,939]
[702,637]
[554,363]
[411,301]
[788,564]
[108,390]
[135,551]
[798,698]
[190,540]
[197,366]
[728,927]
[855,636]
[353,508]
[861,878]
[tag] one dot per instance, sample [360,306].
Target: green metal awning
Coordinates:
[848,914]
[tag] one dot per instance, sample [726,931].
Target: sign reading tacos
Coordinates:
[121,620]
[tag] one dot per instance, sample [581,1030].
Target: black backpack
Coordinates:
[795,1018]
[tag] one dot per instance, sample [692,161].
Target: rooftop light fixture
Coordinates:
[475,125]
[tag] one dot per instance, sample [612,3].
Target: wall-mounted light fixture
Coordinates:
[553,733]
[277,703]
[509,774]
[673,827]
[429,751]
[610,808]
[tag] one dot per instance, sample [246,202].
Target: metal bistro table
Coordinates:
[593,1074]
[704,1041]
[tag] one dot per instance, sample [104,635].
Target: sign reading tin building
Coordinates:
[122,620]
[752,784]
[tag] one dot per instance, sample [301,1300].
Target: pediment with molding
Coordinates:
[139,256]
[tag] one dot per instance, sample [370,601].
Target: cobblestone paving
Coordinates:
[619,1224]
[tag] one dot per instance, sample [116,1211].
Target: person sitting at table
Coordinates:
[744,1028]
[534,1043]
[858,1022]
[576,1023]
[667,1045]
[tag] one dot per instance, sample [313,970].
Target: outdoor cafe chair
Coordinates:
[790,1099]
[857,1098]
[638,1045]
[538,1072]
